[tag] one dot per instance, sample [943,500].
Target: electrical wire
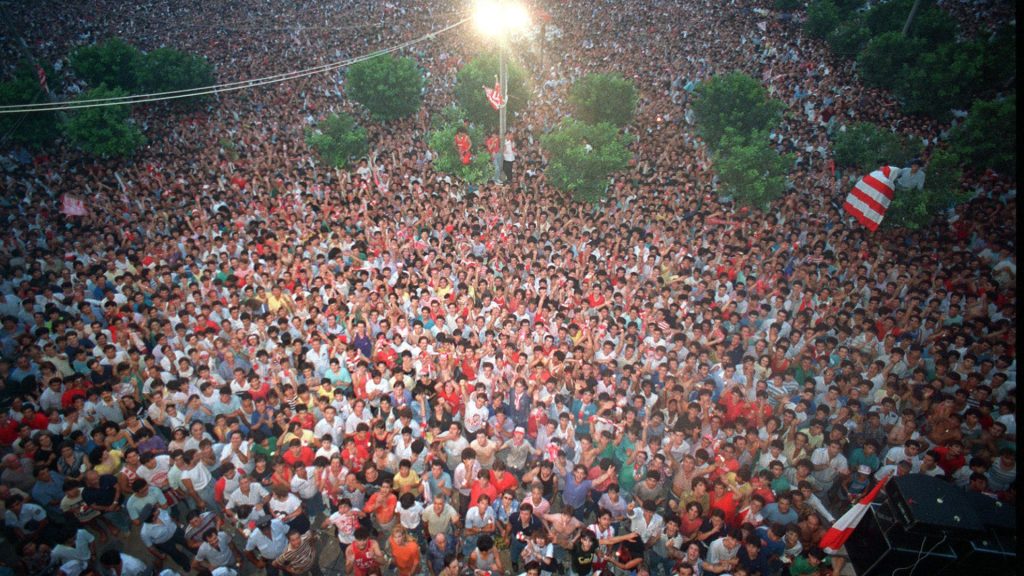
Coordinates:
[219,88]
[921,555]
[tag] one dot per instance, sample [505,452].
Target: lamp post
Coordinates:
[499,19]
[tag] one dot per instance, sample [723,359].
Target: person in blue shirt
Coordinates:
[753,557]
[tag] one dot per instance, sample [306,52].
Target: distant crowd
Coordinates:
[241,359]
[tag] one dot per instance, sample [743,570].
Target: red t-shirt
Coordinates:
[305,456]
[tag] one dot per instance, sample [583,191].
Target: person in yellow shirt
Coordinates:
[406,480]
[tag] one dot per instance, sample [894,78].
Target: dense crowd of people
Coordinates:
[241,358]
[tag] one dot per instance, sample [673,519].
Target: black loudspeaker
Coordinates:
[936,529]
[880,545]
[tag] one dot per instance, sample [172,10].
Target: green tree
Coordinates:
[604,98]
[582,156]
[849,38]
[887,56]
[104,131]
[447,159]
[167,70]
[822,18]
[941,80]
[469,90]
[387,86]
[999,68]
[337,139]
[865,146]
[735,101]
[28,128]
[988,138]
[942,190]
[788,5]
[112,62]
[750,171]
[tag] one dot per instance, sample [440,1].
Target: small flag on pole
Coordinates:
[870,197]
[42,78]
[837,535]
[494,95]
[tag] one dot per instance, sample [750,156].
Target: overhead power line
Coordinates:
[219,88]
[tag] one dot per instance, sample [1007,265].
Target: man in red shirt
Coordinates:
[951,456]
[8,429]
[725,500]
[298,453]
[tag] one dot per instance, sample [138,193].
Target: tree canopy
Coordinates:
[988,138]
[469,90]
[866,146]
[750,171]
[337,139]
[734,101]
[113,62]
[104,131]
[387,86]
[446,156]
[582,156]
[604,98]
[28,128]
[915,208]
[167,69]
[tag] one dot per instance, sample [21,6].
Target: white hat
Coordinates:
[519,430]
[864,469]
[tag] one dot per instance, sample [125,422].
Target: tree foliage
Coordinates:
[849,38]
[822,18]
[337,139]
[942,190]
[734,101]
[447,158]
[469,90]
[29,128]
[105,131]
[888,56]
[604,98]
[988,138]
[788,5]
[167,69]
[387,86]
[582,156]
[113,62]
[941,80]
[866,146]
[750,171]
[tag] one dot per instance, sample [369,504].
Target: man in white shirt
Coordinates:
[163,537]
[248,493]
[266,543]
[721,556]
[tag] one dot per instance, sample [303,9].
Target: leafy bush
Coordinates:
[988,138]
[750,171]
[387,86]
[167,69]
[916,208]
[604,98]
[337,139]
[582,156]
[104,131]
[734,101]
[447,158]
[113,62]
[28,128]
[822,18]
[866,146]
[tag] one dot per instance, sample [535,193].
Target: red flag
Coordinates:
[870,197]
[837,535]
[42,78]
[72,205]
[494,95]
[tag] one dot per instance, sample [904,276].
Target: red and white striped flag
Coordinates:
[870,197]
[837,535]
[494,95]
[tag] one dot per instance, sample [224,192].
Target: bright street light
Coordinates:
[495,18]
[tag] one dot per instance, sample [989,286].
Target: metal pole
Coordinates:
[503,71]
[910,18]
